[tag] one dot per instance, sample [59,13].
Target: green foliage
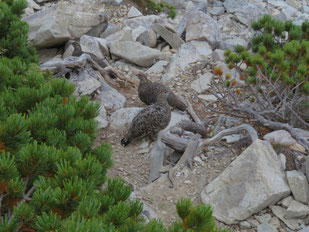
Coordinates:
[151,6]
[52,178]
[13,32]
[278,65]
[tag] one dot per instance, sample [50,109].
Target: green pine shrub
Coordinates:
[274,73]
[52,178]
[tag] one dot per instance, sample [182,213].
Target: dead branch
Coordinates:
[186,157]
[73,62]
[192,127]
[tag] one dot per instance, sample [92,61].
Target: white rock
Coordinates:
[245,225]
[232,138]
[111,29]
[133,12]
[95,45]
[136,32]
[217,11]
[203,27]
[135,53]
[275,222]
[265,218]
[299,186]
[253,222]
[281,137]
[287,201]
[111,99]
[88,86]
[188,53]
[120,120]
[294,224]
[250,183]
[266,228]
[158,67]
[283,160]
[51,27]
[102,118]
[297,210]
[202,83]
[145,21]
[123,35]
[218,55]
[33,4]
[209,98]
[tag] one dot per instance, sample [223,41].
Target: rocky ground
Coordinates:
[257,192]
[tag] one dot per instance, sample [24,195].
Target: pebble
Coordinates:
[188,182]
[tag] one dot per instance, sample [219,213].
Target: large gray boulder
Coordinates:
[252,182]
[57,24]
[246,12]
[203,27]
[170,37]
[135,53]
[188,53]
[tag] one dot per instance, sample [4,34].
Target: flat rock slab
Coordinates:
[252,182]
[57,24]
[299,186]
[135,53]
[170,37]
[280,212]
[297,210]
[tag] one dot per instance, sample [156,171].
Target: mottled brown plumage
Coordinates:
[148,92]
[150,120]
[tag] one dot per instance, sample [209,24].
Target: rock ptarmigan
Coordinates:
[148,92]
[150,120]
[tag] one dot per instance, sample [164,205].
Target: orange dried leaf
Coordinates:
[227,76]
[218,71]
[4,187]
[234,83]
[2,146]
[65,100]
[237,91]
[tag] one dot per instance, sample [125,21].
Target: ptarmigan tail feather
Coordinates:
[125,142]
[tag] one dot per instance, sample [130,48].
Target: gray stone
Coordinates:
[263,219]
[51,27]
[249,184]
[275,222]
[95,45]
[148,38]
[307,168]
[202,6]
[283,160]
[112,2]
[88,86]
[209,98]
[266,228]
[232,43]
[281,137]
[297,210]
[241,10]
[188,53]
[170,37]
[133,12]
[158,67]
[120,119]
[294,224]
[299,186]
[232,138]
[217,11]
[32,4]
[253,222]
[305,9]
[96,31]
[123,35]
[145,21]
[102,118]
[68,52]
[202,83]
[47,54]
[136,32]
[306,229]
[245,225]
[135,53]
[202,27]
[111,29]
[111,99]
[218,55]
[287,201]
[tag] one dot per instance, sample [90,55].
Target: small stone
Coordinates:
[264,219]
[283,160]
[266,228]
[198,159]
[275,222]
[299,186]
[188,182]
[253,222]
[297,210]
[133,12]
[287,201]
[245,225]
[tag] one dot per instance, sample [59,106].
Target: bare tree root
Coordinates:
[192,146]
[71,63]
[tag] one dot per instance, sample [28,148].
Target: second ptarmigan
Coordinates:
[150,120]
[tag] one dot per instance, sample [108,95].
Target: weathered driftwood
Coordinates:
[186,157]
[193,127]
[73,62]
